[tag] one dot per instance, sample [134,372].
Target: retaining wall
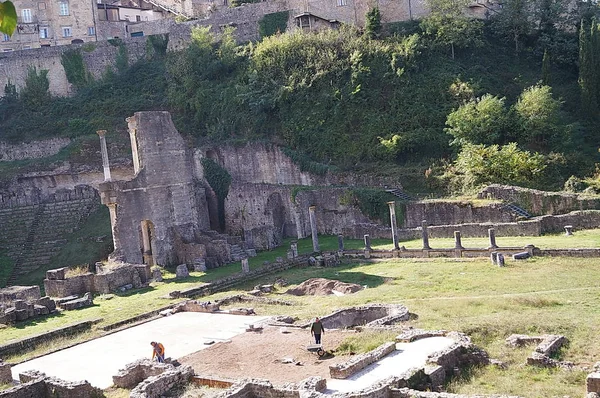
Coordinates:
[538,202]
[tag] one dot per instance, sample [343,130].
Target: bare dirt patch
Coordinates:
[323,287]
[260,355]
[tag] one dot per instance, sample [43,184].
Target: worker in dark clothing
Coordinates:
[158,351]
[317,329]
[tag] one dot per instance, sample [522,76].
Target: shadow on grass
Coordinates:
[135,292]
[38,320]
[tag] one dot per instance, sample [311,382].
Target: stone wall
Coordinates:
[157,386]
[107,279]
[38,385]
[32,150]
[5,373]
[268,214]
[19,196]
[359,362]
[541,202]
[364,315]
[97,56]
[263,163]
[450,212]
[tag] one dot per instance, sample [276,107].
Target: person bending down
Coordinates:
[158,351]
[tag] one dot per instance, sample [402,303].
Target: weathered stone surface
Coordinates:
[592,382]
[85,301]
[156,274]
[521,256]
[5,373]
[56,274]
[156,386]
[347,369]
[182,271]
[135,372]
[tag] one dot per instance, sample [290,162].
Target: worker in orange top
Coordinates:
[158,351]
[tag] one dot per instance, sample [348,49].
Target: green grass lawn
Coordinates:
[539,295]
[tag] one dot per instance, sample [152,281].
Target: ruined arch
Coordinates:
[276,213]
[147,242]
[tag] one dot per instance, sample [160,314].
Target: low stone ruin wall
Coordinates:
[547,345]
[586,219]
[365,315]
[106,280]
[151,379]
[410,393]
[157,386]
[5,373]
[359,362]
[18,303]
[38,385]
[540,202]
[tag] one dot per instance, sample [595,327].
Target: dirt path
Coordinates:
[260,355]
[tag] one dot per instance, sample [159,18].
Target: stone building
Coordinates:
[157,215]
[48,23]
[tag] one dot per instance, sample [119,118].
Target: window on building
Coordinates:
[26,15]
[138,18]
[67,31]
[91,31]
[6,50]
[26,47]
[342,3]
[63,8]
[5,37]
[44,32]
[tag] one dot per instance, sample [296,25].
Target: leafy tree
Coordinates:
[479,121]
[373,23]
[35,94]
[8,17]
[514,21]
[479,164]
[447,25]
[539,117]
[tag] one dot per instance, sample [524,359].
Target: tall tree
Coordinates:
[589,66]
[448,25]
[373,23]
[514,21]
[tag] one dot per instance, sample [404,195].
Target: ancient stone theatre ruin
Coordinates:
[157,217]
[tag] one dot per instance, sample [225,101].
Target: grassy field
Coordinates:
[540,295]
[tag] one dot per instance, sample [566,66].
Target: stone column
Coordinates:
[367,242]
[392,206]
[341,243]
[494,258]
[457,240]
[245,266]
[492,235]
[105,164]
[294,248]
[147,254]
[313,229]
[112,209]
[500,260]
[425,235]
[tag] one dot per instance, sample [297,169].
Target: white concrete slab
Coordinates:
[98,360]
[406,356]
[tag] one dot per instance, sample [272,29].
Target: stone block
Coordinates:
[5,373]
[436,374]
[182,271]
[56,274]
[48,303]
[199,265]
[156,274]
[21,315]
[521,256]
[592,382]
[40,310]
[251,252]
[20,304]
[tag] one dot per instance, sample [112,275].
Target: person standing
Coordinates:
[158,351]
[317,329]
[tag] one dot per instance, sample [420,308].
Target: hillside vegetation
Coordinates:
[511,100]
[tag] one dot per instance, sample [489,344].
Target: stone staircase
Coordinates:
[40,235]
[399,194]
[517,210]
